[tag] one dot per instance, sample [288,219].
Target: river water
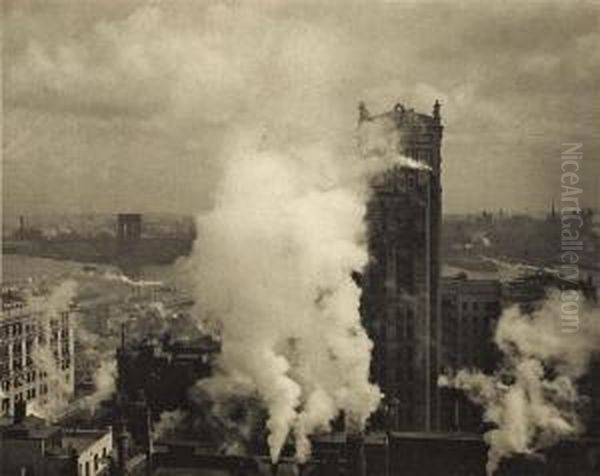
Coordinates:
[21,269]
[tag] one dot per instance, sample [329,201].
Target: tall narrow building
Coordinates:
[400,300]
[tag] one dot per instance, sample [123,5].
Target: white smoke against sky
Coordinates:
[379,138]
[273,269]
[533,400]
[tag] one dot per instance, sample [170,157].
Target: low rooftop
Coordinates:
[82,439]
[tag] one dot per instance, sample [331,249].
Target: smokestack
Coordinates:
[123,329]
[274,468]
[363,112]
[148,440]
[387,456]
[20,412]
[122,449]
[356,464]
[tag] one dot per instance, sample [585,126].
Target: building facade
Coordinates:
[93,447]
[155,376]
[470,311]
[36,355]
[400,300]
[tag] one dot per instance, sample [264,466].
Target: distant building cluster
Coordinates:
[97,226]
[130,238]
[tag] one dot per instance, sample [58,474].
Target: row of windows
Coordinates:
[29,394]
[16,330]
[423,155]
[477,305]
[19,328]
[30,377]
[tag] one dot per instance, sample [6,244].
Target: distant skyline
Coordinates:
[128,105]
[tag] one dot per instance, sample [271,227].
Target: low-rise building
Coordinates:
[29,446]
[93,448]
[470,311]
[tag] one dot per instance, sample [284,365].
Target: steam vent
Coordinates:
[400,300]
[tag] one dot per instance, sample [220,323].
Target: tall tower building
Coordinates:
[400,300]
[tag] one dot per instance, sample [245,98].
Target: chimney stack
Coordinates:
[123,334]
[363,112]
[436,111]
[122,449]
[356,464]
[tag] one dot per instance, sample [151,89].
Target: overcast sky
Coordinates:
[114,105]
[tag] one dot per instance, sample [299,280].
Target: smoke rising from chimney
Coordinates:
[272,265]
[533,400]
[273,270]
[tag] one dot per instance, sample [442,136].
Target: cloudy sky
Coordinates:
[130,105]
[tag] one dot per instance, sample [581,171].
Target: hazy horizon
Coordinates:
[125,106]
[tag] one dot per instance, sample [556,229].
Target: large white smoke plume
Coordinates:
[274,256]
[274,262]
[533,400]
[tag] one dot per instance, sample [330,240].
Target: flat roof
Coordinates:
[375,438]
[81,439]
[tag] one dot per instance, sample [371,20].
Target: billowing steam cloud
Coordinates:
[533,400]
[274,261]
[274,257]
[96,355]
[273,269]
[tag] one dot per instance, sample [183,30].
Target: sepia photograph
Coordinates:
[300,238]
